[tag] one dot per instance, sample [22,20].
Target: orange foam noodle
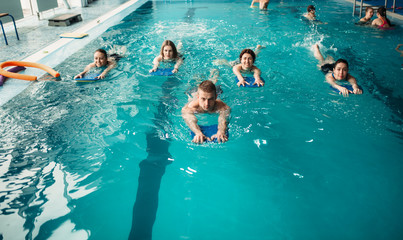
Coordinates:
[25,64]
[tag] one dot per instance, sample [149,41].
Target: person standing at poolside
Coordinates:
[336,71]
[168,53]
[262,4]
[206,102]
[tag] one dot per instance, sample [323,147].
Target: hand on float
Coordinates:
[258,82]
[79,76]
[357,90]
[199,138]
[344,91]
[242,82]
[153,70]
[102,76]
[221,137]
[175,70]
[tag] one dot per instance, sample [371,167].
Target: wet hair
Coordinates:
[207,86]
[382,12]
[368,8]
[310,8]
[341,60]
[103,52]
[252,53]
[169,43]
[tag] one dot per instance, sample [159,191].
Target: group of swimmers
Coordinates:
[205,100]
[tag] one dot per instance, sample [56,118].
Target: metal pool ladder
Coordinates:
[386,3]
[2,28]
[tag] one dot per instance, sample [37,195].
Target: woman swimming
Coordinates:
[168,53]
[238,65]
[336,71]
[382,21]
[101,60]
[247,60]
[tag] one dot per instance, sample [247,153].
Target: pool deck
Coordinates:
[38,40]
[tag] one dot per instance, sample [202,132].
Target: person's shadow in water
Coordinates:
[153,167]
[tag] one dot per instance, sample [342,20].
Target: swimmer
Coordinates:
[247,59]
[231,64]
[101,60]
[310,13]
[369,13]
[336,71]
[244,65]
[262,4]
[168,53]
[206,102]
[382,21]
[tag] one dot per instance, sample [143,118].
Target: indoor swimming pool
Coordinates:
[114,158]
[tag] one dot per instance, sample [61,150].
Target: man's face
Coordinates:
[206,100]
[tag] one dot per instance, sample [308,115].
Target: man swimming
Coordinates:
[206,102]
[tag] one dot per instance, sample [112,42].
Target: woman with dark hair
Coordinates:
[336,71]
[168,53]
[247,59]
[382,21]
[102,61]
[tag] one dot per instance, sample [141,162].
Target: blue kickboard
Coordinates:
[208,131]
[91,77]
[162,72]
[348,86]
[249,80]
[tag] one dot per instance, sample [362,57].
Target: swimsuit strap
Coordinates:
[383,22]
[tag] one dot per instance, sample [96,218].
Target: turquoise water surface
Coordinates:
[302,162]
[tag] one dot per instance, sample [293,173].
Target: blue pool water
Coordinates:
[302,162]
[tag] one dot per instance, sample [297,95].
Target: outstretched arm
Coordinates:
[353,82]
[111,65]
[156,63]
[221,135]
[237,71]
[179,62]
[256,75]
[86,69]
[191,121]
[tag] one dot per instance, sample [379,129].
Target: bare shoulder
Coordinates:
[221,106]
[190,107]
[91,65]
[349,77]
